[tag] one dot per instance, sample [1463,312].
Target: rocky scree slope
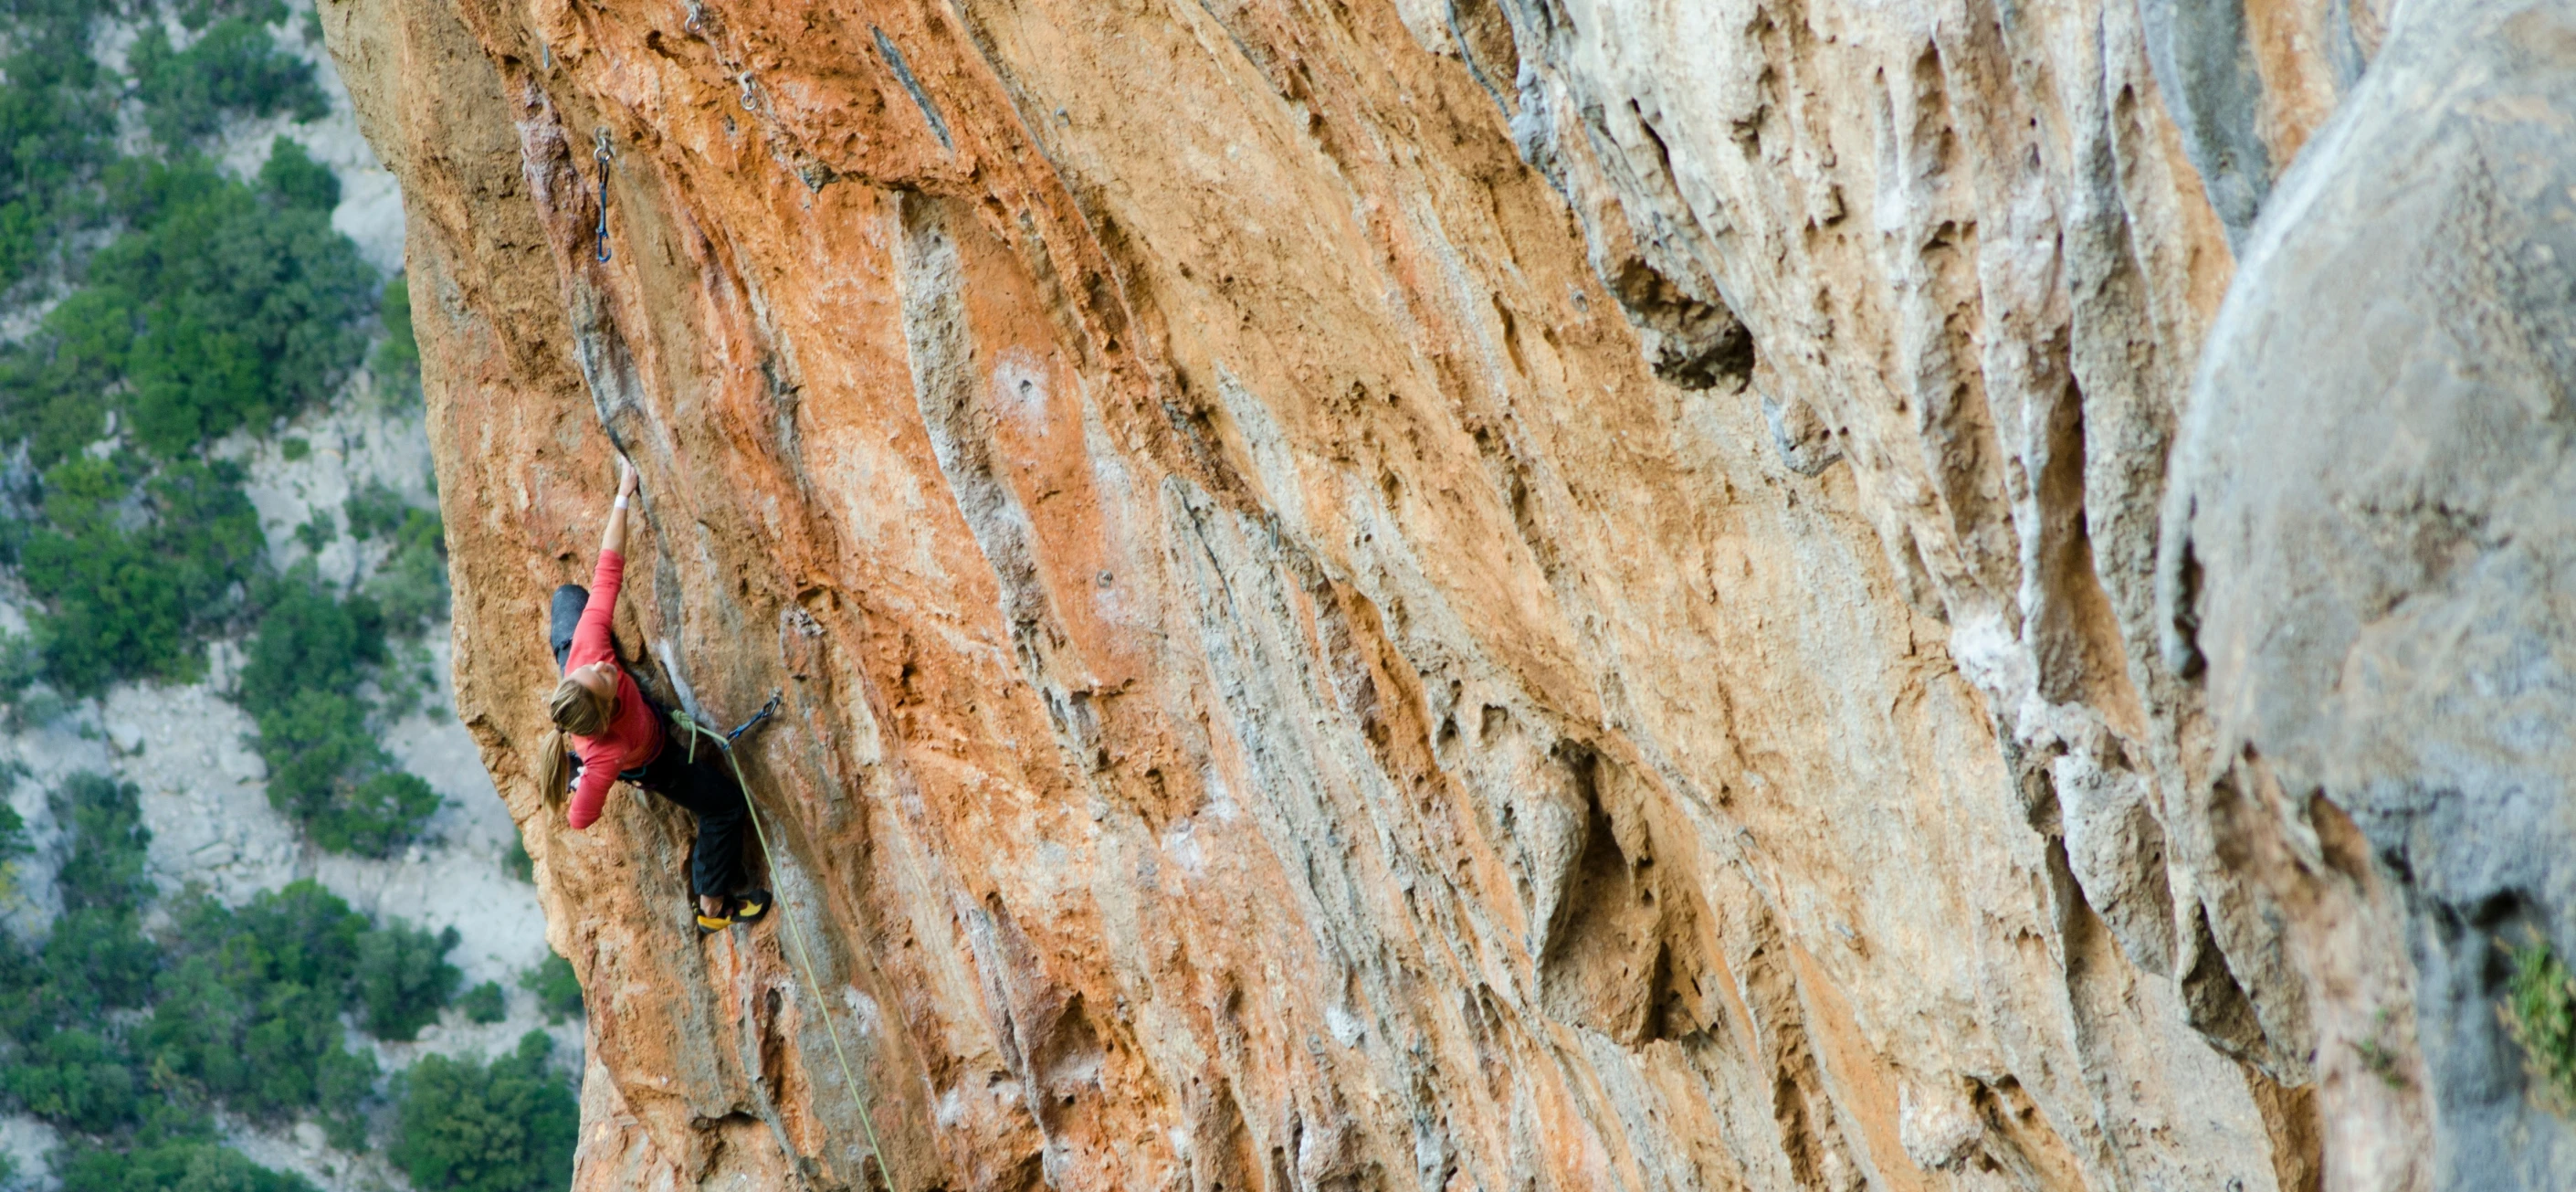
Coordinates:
[1532,593]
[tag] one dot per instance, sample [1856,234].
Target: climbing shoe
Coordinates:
[749,908]
[711,924]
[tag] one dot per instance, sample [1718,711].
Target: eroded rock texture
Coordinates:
[1523,594]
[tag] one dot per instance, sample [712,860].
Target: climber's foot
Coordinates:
[749,908]
[711,921]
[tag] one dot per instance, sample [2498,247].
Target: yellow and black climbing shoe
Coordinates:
[711,924]
[749,908]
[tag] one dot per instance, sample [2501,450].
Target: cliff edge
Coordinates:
[1533,594]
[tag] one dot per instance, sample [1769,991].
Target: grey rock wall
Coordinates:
[2368,547]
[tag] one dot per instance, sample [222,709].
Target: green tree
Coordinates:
[308,640]
[508,1126]
[240,312]
[130,582]
[162,1160]
[373,510]
[74,1077]
[380,814]
[404,978]
[294,181]
[234,66]
[97,958]
[57,129]
[103,821]
[397,359]
[326,770]
[558,990]
[484,1003]
[411,585]
[250,1008]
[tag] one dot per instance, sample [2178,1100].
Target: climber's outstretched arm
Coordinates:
[613,539]
[590,637]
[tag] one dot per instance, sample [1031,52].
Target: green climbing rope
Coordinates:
[795,936]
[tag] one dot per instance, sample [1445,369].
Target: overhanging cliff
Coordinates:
[1528,593]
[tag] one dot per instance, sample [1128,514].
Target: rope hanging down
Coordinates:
[599,153]
[795,936]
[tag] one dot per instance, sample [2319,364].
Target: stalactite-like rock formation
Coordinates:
[1520,594]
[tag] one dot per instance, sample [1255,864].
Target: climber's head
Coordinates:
[584,700]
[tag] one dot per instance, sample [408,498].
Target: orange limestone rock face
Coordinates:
[1524,594]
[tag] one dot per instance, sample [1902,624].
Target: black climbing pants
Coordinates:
[704,785]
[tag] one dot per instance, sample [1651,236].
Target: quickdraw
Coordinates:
[599,152]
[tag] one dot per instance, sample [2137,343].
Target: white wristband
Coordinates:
[621,502]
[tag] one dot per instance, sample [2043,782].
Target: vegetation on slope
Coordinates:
[129,1040]
[219,305]
[2540,1013]
[192,313]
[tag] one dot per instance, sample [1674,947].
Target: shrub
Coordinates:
[411,585]
[378,816]
[308,640]
[375,509]
[504,1127]
[217,309]
[241,312]
[126,599]
[315,747]
[235,66]
[328,774]
[197,14]
[57,128]
[396,364]
[193,1164]
[294,181]
[558,990]
[97,959]
[250,1009]
[246,1008]
[14,843]
[103,820]
[517,863]
[326,770]
[404,979]
[74,1077]
[316,533]
[2540,1013]
[484,1003]
[22,663]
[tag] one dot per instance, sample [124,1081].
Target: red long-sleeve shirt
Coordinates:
[633,735]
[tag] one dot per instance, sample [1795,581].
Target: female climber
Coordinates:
[601,715]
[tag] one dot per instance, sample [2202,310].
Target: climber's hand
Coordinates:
[625,477]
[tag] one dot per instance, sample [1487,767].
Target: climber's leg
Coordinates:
[706,787]
[715,863]
[570,599]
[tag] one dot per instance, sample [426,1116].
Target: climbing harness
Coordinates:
[599,153]
[795,936]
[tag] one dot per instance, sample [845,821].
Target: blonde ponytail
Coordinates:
[575,710]
[551,769]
